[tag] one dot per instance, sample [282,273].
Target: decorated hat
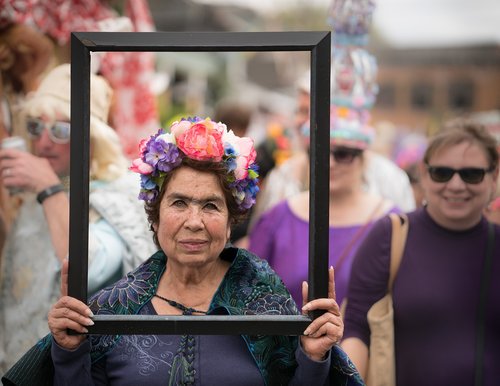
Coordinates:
[348,127]
[351,21]
[354,82]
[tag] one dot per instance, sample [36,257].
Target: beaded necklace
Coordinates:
[185,310]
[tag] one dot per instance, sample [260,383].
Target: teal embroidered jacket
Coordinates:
[250,287]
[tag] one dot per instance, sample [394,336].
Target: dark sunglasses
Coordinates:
[345,155]
[468,175]
[59,132]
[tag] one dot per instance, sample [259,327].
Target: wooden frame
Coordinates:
[318,44]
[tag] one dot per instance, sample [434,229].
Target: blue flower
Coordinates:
[146,182]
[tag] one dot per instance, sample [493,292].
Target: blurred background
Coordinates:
[434,59]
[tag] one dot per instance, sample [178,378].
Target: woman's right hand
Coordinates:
[69,313]
[21,169]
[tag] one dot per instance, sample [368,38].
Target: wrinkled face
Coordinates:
[57,154]
[456,204]
[194,221]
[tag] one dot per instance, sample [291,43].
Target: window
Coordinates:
[461,95]
[422,96]
[386,96]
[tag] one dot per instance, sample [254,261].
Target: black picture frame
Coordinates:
[318,43]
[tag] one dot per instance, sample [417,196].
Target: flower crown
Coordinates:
[202,140]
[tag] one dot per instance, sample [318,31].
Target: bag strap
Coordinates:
[400,226]
[360,232]
[485,284]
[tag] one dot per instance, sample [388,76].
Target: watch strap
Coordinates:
[50,191]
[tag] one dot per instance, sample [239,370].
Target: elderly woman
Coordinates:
[446,310]
[197,180]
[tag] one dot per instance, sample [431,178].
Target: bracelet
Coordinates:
[50,191]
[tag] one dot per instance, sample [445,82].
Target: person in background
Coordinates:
[34,38]
[408,153]
[131,74]
[381,175]
[25,55]
[492,211]
[196,180]
[238,117]
[281,235]
[235,115]
[442,280]
[38,241]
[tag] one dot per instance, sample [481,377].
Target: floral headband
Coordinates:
[202,140]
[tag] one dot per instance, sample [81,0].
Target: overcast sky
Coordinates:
[419,22]
[416,22]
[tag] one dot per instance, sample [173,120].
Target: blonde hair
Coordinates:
[107,160]
[461,130]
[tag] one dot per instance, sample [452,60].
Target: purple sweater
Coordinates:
[282,239]
[436,296]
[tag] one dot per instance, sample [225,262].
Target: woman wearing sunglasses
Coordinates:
[446,294]
[38,241]
[281,234]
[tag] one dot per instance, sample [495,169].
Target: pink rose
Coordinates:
[246,149]
[246,157]
[241,171]
[202,142]
[139,166]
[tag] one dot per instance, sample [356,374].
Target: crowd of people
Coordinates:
[194,226]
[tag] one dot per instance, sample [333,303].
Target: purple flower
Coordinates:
[171,158]
[148,195]
[154,152]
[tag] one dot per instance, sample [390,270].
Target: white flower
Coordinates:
[167,138]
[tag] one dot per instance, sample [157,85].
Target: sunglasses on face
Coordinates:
[468,175]
[59,132]
[344,155]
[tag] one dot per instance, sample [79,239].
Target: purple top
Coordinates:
[282,239]
[149,359]
[436,296]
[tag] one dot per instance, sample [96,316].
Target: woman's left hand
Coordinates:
[325,331]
